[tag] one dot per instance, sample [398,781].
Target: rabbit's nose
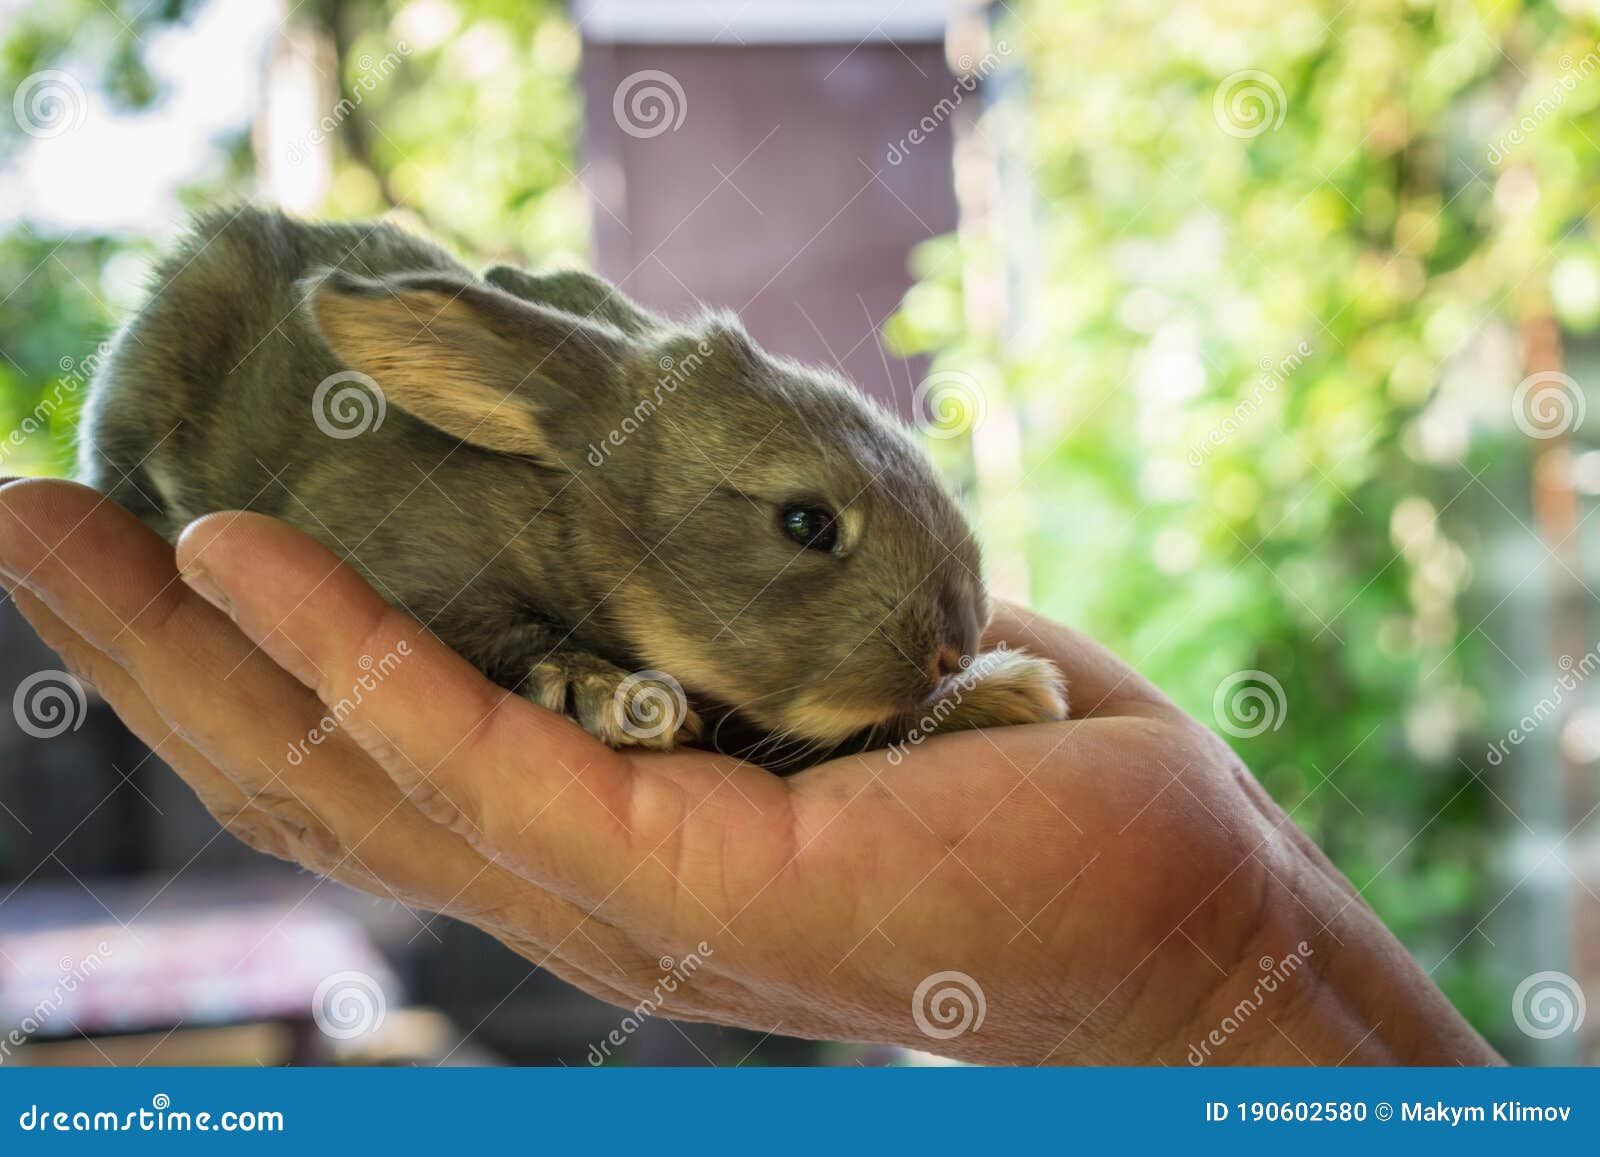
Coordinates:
[958,636]
[962,629]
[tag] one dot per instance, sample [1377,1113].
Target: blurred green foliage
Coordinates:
[476,134]
[466,127]
[52,313]
[1278,255]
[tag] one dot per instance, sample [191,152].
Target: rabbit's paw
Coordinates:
[624,709]
[999,689]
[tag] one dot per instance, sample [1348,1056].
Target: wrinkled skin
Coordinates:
[1110,882]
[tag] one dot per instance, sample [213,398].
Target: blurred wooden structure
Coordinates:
[744,155]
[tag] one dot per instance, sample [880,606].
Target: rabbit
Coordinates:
[655,528]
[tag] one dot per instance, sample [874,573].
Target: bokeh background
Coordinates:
[1257,338]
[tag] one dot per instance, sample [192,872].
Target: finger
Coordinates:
[112,583]
[131,619]
[601,973]
[1098,683]
[485,762]
[232,704]
[559,939]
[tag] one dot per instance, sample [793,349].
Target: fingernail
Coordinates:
[206,587]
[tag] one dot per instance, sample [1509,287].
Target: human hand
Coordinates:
[1113,884]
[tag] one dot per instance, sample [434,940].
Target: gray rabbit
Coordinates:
[595,505]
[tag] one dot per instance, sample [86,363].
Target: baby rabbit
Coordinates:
[577,495]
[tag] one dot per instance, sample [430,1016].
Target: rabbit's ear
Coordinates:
[480,365]
[577,293]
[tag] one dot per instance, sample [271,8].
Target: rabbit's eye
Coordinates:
[812,527]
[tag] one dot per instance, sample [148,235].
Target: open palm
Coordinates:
[1093,890]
